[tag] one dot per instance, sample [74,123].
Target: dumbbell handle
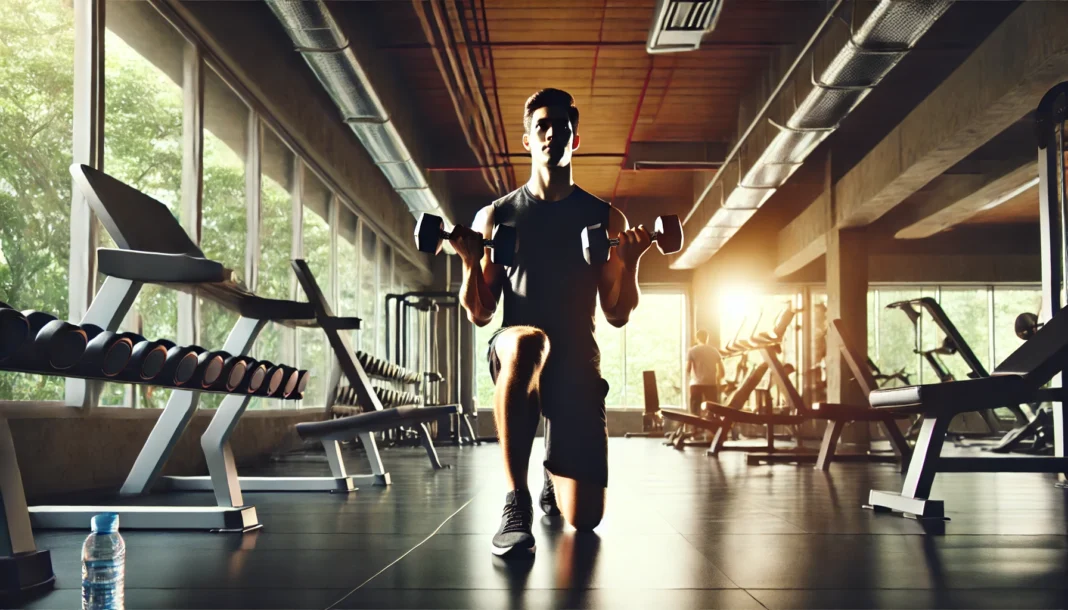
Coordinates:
[615,240]
[488,243]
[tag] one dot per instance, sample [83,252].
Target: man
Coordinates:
[704,363]
[544,360]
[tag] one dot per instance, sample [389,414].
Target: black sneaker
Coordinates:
[514,538]
[548,498]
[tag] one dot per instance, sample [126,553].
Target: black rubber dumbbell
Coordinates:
[302,383]
[56,344]
[430,234]
[289,382]
[106,353]
[180,365]
[667,233]
[273,379]
[14,331]
[1026,325]
[209,368]
[255,375]
[146,360]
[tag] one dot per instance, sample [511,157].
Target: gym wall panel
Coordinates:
[59,455]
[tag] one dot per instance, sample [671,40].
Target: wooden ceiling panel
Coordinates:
[595,49]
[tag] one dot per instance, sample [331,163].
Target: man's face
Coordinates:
[551,139]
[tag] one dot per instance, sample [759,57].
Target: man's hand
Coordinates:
[632,245]
[469,245]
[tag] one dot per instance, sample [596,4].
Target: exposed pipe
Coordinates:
[429,33]
[633,125]
[827,19]
[726,46]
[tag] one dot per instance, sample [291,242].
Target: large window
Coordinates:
[36,101]
[259,204]
[143,147]
[655,343]
[274,277]
[348,268]
[316,202]
[368,290]
[653,340]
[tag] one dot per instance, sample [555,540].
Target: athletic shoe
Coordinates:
[514,538]
[548,497]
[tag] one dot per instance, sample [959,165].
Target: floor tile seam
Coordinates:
[1020,588]
[754,598]
[405,554]
[710,561]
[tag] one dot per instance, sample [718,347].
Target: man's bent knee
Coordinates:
[582,505]
[524,345]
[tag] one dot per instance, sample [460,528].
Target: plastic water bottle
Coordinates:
[103,565]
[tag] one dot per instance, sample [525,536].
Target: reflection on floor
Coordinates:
[682,531]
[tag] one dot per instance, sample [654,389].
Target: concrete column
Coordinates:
[847,300]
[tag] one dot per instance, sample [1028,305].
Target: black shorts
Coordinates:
[572,399]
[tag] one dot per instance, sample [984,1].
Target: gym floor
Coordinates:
[682,531]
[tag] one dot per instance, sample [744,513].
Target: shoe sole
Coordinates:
[513,552]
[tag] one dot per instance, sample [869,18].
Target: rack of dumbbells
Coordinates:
[389,382]
[39,343]
[420,342]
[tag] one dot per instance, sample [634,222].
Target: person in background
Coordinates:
[704,364]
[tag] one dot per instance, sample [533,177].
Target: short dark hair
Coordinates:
[551,97]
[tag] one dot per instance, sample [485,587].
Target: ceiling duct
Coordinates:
[870,51]
[319,40]
[679,26]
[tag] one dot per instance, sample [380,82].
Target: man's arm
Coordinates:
[618,285]
[482,279]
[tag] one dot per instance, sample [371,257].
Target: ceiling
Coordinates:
[594,49]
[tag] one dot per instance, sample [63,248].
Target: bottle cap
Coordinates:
[106,523]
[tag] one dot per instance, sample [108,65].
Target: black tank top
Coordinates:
[551,286]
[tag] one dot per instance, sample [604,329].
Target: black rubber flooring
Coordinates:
[682,531]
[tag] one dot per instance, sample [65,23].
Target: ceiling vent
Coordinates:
[679,26]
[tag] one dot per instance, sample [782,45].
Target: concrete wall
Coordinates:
[61,454]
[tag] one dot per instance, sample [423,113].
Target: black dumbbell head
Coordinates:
[289,383]
[428,232]
[234,370]
[595,244]
[255,377]
[61,343]
[14,330]
[302,381]
[1026,325]
[504,244]
[669,229]
[209,368]
[106,353]
[147,358]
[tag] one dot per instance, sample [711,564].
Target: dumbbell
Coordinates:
[667,233]
[14,330]
[302,383]
[146,360]
[255,375]
[1027,325]
[290,377]
[180,365]
[430,234]
[56,344]
[272,379]
[209,368]
[106,353]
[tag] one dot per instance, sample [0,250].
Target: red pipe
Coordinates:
[633,126]
[496,95]
[597,50]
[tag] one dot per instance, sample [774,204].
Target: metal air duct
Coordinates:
[869,53]
[319,40]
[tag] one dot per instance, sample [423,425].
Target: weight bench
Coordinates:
[837,416]
[736,404]
[1019,379]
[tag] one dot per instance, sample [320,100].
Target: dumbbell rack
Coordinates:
[22,566]
[391,378]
